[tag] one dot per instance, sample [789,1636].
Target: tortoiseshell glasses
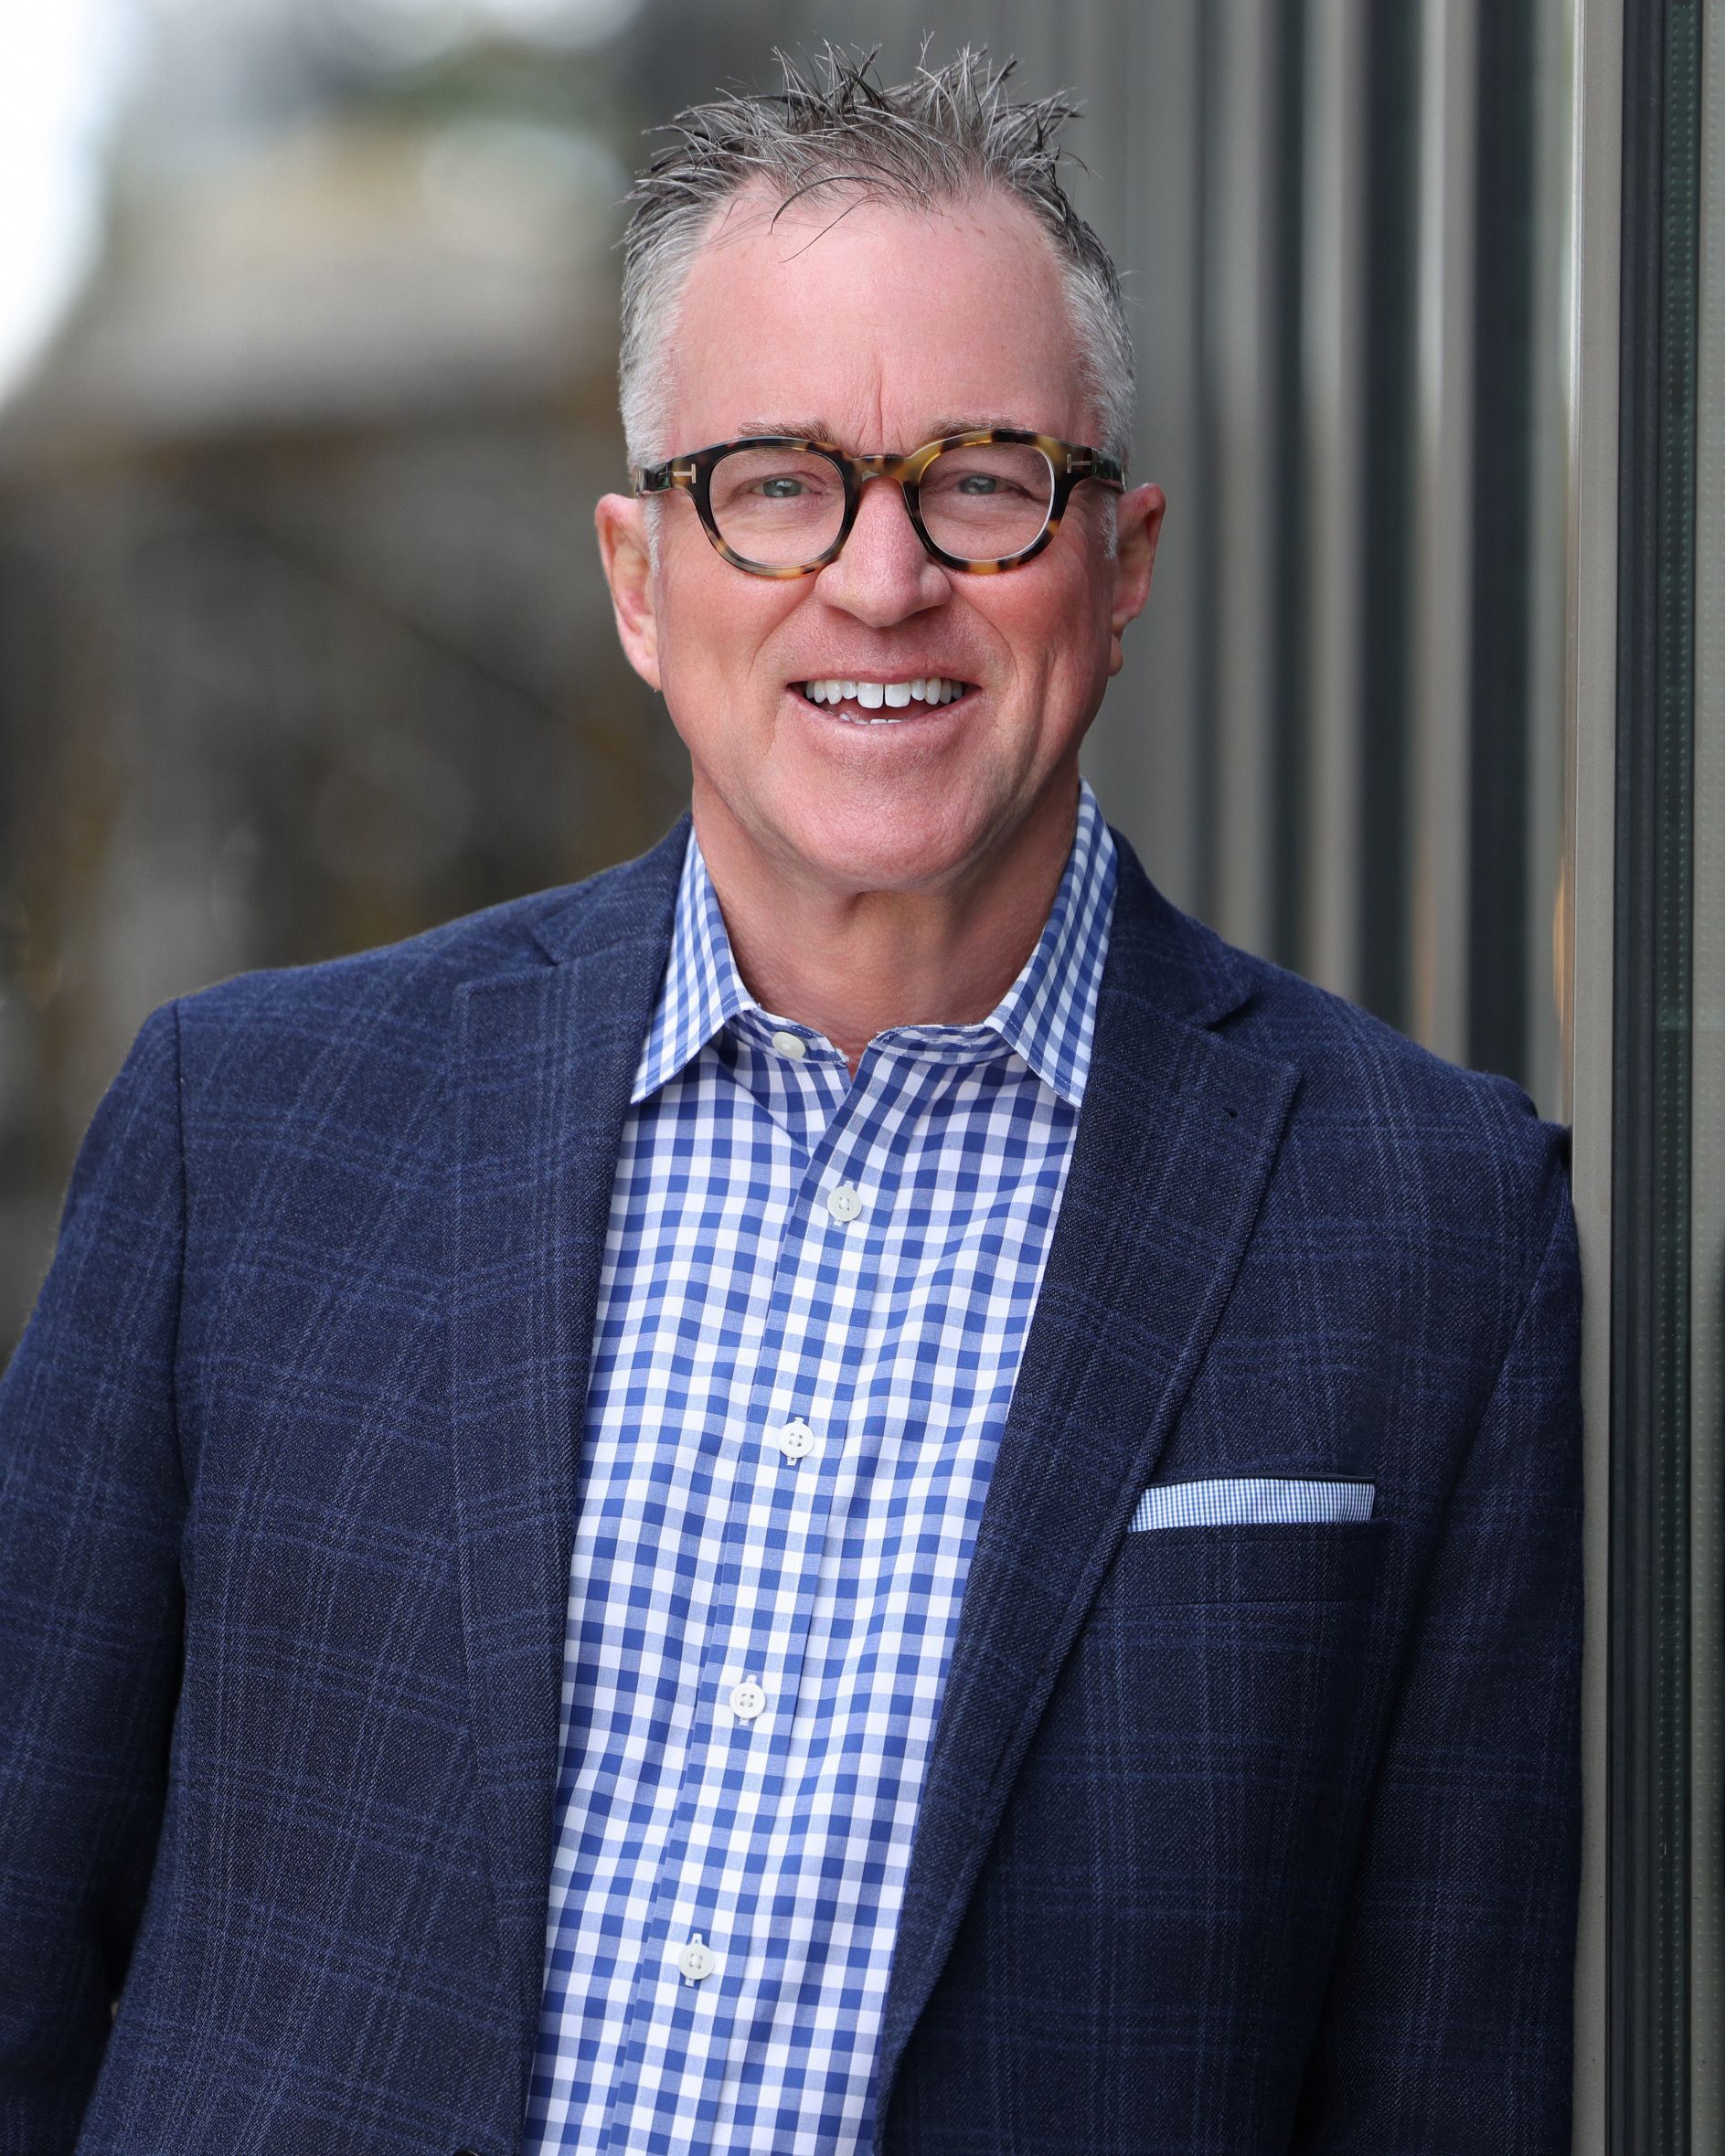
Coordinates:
[783,505]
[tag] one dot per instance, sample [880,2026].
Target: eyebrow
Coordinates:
[824,430]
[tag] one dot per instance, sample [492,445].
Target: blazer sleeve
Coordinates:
[92,1506]
[1448,2025]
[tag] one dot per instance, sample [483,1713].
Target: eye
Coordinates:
[784,488]
[978,482]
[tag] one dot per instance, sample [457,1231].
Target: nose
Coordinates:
[883,575]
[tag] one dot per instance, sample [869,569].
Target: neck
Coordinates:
[850,964]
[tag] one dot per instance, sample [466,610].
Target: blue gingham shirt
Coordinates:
[812,1312]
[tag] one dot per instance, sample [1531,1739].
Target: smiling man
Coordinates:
[884,741]
[849,1489]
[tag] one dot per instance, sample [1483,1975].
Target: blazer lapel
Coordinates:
[1175,1142]
[546,1062]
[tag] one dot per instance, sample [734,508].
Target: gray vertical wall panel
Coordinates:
[1552,423]
[1145,755]
[1332,367]
[1706,1223]
[1591,701]
[1240,348]
[1443,511]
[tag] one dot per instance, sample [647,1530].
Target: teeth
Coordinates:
[872,695]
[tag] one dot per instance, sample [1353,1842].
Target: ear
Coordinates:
[621,521]
[1137,526]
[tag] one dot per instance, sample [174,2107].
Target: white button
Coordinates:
[792,1045]
[746,1700]
[696,1960]
[796,1440]
[844,1203]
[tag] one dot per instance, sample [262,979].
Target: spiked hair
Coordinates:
[949,134]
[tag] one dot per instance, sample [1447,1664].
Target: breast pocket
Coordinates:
[1207,1749]
[1225,1670]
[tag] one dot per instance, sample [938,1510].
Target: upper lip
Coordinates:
[886,675]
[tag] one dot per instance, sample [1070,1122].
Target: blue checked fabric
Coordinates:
[795,1402]
[1248,1501]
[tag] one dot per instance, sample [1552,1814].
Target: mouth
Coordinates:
[882,703]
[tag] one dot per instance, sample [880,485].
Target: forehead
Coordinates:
[884,324]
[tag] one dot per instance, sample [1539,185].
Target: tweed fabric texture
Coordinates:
[1233,1840]
[733,1308]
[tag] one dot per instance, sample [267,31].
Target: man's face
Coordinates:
[879,329]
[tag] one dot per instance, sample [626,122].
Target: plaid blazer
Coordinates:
[1236,1838]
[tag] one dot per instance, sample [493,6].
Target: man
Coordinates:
[847,1489]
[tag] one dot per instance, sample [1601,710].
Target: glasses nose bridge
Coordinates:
[900,474]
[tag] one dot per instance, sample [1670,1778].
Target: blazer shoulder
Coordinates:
[1401,1113]
[1344,1046]
[374,1027]
[1353,1067]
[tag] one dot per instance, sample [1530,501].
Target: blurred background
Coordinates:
[307,343]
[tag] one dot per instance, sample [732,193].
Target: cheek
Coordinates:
[714,637]
[1051,629]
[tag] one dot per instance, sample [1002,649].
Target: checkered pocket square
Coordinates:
[1250,1501]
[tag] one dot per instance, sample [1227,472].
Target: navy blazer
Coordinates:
[1234,1839]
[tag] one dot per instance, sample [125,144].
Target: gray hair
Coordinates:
[948,135]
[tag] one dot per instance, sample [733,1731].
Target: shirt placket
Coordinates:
[707,1954]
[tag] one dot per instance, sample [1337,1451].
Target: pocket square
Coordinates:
[1250,1501]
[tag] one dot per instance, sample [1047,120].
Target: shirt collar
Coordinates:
[1047,1016]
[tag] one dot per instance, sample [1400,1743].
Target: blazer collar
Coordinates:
[542,1060]
[1166,959]
[625,905]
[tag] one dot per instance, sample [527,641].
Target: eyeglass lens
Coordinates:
[783,508]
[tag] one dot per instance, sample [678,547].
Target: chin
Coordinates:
[892,849]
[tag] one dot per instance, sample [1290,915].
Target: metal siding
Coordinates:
[1240,356]
[1333,377]
[1591,529]
[1444,510]
[1145,754]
